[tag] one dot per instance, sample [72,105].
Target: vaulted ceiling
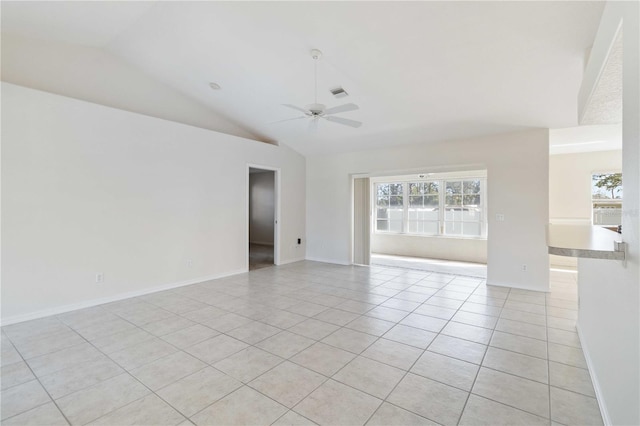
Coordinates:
[420,71]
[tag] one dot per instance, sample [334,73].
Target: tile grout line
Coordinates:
[41,385]
[126,371]
[470,392]
[418,358]
[340,327]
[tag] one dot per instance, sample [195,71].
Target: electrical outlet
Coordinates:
[99,277]
[299,241]
[499,217]
[524,268]
[189,263]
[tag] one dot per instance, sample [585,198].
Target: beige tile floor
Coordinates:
[307,343]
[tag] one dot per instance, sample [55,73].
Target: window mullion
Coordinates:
[441,195]
[405,207]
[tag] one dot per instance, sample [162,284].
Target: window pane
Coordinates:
[430,214]
[382,195]
[471,186]
[472,200]
[395,225]
[423,227]
[471,214]
[415,201]
[606,190]
[382,225]
[453,214]
[431,187]
[453,200]
[395,188]
[395,214]
[415,188]
[606,186]
[431,201]
[453,228]
[395,200]
[431,228]
[382,214]
[454,187]
[471,229]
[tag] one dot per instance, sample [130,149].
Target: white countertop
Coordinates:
[583,241]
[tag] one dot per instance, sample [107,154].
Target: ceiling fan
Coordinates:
[316,111]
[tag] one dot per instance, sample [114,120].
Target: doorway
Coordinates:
[262,218]
[435,221]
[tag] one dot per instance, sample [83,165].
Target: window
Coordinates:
[424,208]
[432,207]
[462,208]
[389,207]
[606,197]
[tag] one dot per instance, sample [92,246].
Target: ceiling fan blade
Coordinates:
[288,119]
[345,121]
[302,110]
[313,125]
[342,108]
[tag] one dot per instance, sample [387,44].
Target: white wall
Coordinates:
[94,75]
[517,173]
[609,311]
[87,189]
[459,249]
[570,183]
[570,189]
[261,207]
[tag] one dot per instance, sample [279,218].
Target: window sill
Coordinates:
[448,237]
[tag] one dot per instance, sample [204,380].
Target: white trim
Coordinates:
[594,379]
[333,261]
[298,259]
[94,302]
[520,287]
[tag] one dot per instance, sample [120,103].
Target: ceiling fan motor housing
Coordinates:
[316,109]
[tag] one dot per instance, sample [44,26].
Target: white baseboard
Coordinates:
[285,262]
[594,379]
[334,261]
[94,302]
[521,287]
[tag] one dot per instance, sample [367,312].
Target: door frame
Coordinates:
[276,213]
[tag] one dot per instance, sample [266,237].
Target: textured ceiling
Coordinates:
[605,104]
[420,71]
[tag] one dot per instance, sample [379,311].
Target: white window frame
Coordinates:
[441,210]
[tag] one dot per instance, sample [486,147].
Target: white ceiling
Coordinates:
[604,137]
[420,71]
